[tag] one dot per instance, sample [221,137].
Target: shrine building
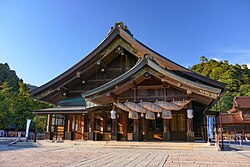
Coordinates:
[237,120]
[123,90]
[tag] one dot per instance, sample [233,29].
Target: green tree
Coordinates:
[17,107]
[5,102]
[203,59]
[237,78]
[8,75]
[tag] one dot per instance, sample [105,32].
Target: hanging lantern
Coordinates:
[142,115]
[133,115]
[190,113]
[166,114]
[113,114]
[158,115]
[150,115]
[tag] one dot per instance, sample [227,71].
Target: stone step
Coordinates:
[135,145]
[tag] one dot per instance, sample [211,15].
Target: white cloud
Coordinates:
[248,65]
[234,55]
[216,59]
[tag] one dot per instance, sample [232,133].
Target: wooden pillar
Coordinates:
[48,127]
[72,122]
[104,123]
[85,123]
[82,125]
[70,127]
[166,130]
[190,133]
[48,121]
[91,135]
[92,123]
[136,130]
[114,128]
[65,126]
[74,134]
[36,127]
[68,123]
[113,125]
[221,130]
[124,125]
[189,125]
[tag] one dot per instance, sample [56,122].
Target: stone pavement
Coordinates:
[72,156]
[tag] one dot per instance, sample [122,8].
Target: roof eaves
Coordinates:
[141,63]
[88,57]
[177,66]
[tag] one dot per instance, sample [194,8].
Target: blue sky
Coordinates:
[43,38]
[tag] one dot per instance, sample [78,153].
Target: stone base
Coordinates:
[190,136]
[166,136]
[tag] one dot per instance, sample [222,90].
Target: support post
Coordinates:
[36,127]
[166,133]
[48,128]
[104,116]
[65,126]
[74,129]
[136,130]
[114,129]
[91,135]
[143,129]
[85,123]
[114,134]
[190,133]
[82,125]
[221,131]
[124,125]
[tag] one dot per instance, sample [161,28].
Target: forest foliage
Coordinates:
[237,78]
[16,105]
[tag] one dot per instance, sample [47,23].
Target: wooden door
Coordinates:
[178,127]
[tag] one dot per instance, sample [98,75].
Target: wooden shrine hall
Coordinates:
[123,90]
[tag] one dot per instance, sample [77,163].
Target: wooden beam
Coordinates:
[133,84]
[76,91]
[113,95]
[186,87]
[144,87]
[153,98]
[53,96]
[65,83]
[166,85]
[99,80]
[189,92]
[79,73]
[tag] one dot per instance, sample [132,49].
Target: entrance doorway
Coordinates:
[178,127]
[154,129]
